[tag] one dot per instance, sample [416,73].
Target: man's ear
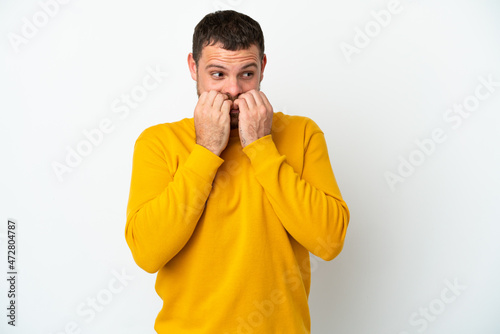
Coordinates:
[264,62]
[192,66]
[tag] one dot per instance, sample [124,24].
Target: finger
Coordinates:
[211,97]
[268,105]
[219,99]
[248,97]
[203,98]
[226,107]
[257,97]
[242,104]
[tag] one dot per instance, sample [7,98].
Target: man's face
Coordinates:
[228,72]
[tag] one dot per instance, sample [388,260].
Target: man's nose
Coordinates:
[232,87]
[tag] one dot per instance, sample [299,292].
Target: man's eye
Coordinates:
[218,75]
[248,74]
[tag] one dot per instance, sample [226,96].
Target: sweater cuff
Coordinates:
[262,153]
[204,163]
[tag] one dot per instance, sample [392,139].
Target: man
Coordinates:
[227,205]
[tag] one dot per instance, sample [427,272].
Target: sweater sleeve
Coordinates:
[165,205]
[309,205]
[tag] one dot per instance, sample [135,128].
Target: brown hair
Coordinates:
[235,31]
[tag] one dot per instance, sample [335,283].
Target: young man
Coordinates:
[227,205]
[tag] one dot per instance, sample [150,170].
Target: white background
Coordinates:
[404,245]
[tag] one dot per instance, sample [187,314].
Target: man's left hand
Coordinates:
[255,117]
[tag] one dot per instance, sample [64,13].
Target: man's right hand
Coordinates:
[212,121]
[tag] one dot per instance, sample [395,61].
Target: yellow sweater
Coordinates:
[230,236]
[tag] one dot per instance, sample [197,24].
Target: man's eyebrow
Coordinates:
[249,65]
[215,66]
[224,68]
